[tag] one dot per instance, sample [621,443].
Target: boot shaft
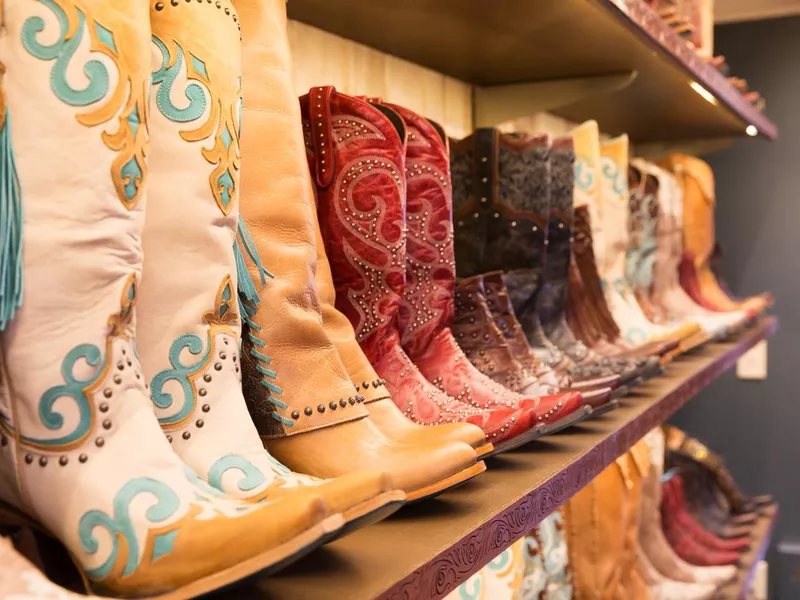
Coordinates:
[551,301]
[427,302]
[356,153]
[501,201]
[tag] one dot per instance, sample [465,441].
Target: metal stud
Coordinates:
[43,461]
[186,435]
[343,403]
[83,458]
[332,405]
[206,408]
[99,442]
[202,391]
[103,407]
[308,411]
[200,423]
[217,367]
[28,458]
[63,461]
[321,408]
[207,378]
[295,414]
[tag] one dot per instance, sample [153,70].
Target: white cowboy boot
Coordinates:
[189,321]
[81,455]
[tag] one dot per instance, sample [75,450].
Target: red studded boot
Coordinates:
[356,154]
[426,308]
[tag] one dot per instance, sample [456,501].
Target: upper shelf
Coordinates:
[510,42]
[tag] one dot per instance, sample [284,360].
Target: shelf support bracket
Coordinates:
[501,103]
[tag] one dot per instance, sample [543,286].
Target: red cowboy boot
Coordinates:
[426,309]
[675,496]
[356,154]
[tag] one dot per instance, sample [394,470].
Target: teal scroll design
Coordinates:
[165,77]
[121,525]
[584,176]
[63,51]
[182,373]
[252,479]
[74,388]
[618,180]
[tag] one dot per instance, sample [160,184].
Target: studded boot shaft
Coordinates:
[361,202]
[484,343]
[427,336]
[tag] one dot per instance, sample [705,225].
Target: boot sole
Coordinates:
[605,408]
[571,419]
[442,486]
[538,431]
[482,451]
[262,565]
[371,511]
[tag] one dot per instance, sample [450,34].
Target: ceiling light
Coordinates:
[708,96]
[751,130]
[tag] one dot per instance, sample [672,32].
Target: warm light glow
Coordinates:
[751,130]
[708,96]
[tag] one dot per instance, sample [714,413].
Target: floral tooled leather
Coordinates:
[428,296]
[503,314]
[358,159]
[484,343]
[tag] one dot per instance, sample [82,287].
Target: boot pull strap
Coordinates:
[319,110]
[485,171]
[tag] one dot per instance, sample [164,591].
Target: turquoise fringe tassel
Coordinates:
[10,230]
[248,294]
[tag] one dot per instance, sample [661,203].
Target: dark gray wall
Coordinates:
[756,425]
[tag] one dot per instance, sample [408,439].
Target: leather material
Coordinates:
[337,437]
[651,534]
[697,182]
[194,233]
[499,303]
[426,308]
[548,572]
[81,452]
[602,521]
[484,343]
[370,274]
[383,410]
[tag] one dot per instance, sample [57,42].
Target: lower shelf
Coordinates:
[739,588]
[427,550]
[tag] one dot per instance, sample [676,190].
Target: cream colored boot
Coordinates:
[82,457]
[189,326]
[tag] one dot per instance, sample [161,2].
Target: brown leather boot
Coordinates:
[299,393]
[483,342]
[596,392]
[699,202]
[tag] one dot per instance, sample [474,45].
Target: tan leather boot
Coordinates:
[299,392]
[699,201]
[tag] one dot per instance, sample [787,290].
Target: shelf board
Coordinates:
[426,550]
[739,588]
[507,42]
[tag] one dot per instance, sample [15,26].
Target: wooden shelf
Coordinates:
[425,551]
[762,537]
[510,42]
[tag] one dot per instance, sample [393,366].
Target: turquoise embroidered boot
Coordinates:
[189,321]
[82,457]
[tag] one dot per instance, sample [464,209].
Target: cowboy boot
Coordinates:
[595,391]
[677,441]
[485,347]
[384,262]
[189,328]
[483,342]
[299,394]
[665,289]
[643,207]
[424,403]
[500,221]
[82,457]
[551,302]
[697,182]
[426,308]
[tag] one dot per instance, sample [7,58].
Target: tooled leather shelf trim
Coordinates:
[448,570]
[428,550]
